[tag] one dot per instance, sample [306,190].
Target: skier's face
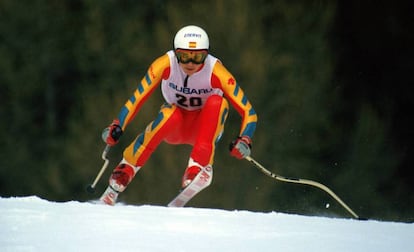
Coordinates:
[191,60]
[190,68]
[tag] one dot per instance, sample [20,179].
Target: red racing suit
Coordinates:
[194,113]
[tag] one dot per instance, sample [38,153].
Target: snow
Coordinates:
[34,224]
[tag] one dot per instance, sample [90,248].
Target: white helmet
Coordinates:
[192,38]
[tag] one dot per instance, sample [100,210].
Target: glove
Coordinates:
[112,133]
[240,148]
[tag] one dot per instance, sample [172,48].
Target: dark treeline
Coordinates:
[329,80]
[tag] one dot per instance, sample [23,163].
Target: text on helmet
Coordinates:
[192,35]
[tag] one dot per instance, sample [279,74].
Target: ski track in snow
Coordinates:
[34,224]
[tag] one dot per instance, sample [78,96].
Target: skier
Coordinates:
[193,83]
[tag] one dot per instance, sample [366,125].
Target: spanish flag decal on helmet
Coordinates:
[192,44]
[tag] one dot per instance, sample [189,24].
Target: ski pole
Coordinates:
[305,182]
[91,188]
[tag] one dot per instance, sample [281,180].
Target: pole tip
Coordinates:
[90,189]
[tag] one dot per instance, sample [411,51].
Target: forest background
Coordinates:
[328,79]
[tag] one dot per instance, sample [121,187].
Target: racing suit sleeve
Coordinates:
[224,80]
[155,73]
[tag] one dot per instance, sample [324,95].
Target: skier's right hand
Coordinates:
[112,133]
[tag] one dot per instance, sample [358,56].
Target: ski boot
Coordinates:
[120,178]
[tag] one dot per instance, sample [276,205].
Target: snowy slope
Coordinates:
[33,224]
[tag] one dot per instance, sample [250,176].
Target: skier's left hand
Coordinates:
[112,133]
[240,148]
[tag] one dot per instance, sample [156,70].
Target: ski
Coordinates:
[201,181]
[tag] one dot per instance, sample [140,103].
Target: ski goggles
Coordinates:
[187,56]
